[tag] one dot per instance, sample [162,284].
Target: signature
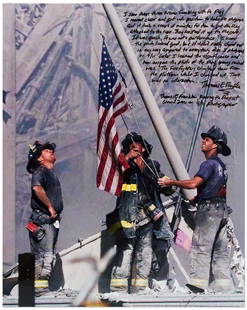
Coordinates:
[222,86]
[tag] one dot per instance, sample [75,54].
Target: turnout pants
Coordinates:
[133,262]
[160,264]
[44,251]
[210,254]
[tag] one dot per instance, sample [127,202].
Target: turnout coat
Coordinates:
[138,202]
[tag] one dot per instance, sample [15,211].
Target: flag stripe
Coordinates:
[106,149]
[104,114]
[110,124]
[117,89]
[112,103]
[115,103]
[119,100]
[110,177]
[100,125]
[112,171]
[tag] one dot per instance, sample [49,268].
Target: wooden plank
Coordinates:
[37,43]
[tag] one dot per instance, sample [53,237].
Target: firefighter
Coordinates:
[47,205]
[138,221]
[210,254]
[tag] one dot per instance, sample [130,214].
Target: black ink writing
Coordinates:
[195,48]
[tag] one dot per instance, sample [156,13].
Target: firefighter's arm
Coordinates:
[41,194]
[166,190]
[187,184]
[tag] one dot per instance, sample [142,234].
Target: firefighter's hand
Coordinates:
[133,153]
[52,212]
[165,181]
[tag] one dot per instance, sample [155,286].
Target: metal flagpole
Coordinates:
[149,100]
[177,211]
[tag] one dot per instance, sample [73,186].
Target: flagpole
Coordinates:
[159,124]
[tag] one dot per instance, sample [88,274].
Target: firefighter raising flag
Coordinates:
[112,103]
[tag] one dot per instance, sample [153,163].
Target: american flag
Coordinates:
[112,103]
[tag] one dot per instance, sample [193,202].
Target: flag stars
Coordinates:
[108,78]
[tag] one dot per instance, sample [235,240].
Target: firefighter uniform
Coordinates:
[135,227]
[210,254]
[44,238]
